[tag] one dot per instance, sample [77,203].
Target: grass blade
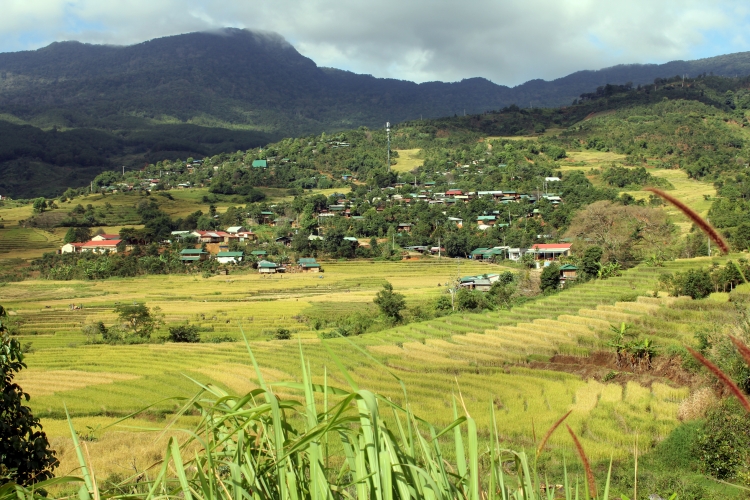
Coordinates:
[693,216]
[722,376]
[589,473]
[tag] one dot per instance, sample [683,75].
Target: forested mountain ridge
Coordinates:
[71,110]
[259,81]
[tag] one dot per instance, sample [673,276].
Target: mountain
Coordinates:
[72,106]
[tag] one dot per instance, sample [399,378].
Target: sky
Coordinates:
[506,41]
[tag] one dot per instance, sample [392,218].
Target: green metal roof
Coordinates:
[478,251]
[230,254]
[192,251]
[258,252]
[267,264]
[307,260]
[260,163]
[568,267]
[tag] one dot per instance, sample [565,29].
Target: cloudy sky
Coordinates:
[506,41]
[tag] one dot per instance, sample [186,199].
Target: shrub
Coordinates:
[184,333]
[724,444]
[695,283]
[282,334]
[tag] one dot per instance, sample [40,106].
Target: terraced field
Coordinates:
[19,242]
[489,358]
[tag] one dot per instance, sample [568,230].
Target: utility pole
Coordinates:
[123,170]
[388,135]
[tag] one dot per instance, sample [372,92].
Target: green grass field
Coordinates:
[408,160]
[586,160]
[484,356]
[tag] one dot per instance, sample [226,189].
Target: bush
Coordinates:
[282,334]
[695,283]
[724,444]
[184,333]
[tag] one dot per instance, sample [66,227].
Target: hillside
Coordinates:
[71,110]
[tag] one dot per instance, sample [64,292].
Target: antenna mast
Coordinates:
[388,135]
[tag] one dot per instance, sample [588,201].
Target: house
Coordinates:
[487,220]
[71,248]
[489,253]
[404,227]
[229,257]
[481,283]
[102,246]
[212,236]
[105,237]
[284,240]
[244,236]
[478,253]
[567,273]
[550,251]
[236,229]
[267,217]
[352,239]
[178,235]
[309,265]
[266,267]
[193,255]
[260,164]
[281,221]
[453,192]
[517,253]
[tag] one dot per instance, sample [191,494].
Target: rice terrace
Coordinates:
[245,286]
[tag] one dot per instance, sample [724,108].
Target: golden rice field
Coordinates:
[483,357]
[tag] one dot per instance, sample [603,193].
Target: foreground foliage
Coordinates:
[25,455]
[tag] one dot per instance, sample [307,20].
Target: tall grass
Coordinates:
[332,443]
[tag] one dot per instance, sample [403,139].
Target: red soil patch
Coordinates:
[601,363]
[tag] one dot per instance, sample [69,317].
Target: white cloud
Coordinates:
[507,41]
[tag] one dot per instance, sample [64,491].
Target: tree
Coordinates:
[591,261]
[138,319]
[184,333]
[742,236]
[40,205]
[694,282]
[25,455]
[624,233]
[390,303]
[550,279]
[77,235]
